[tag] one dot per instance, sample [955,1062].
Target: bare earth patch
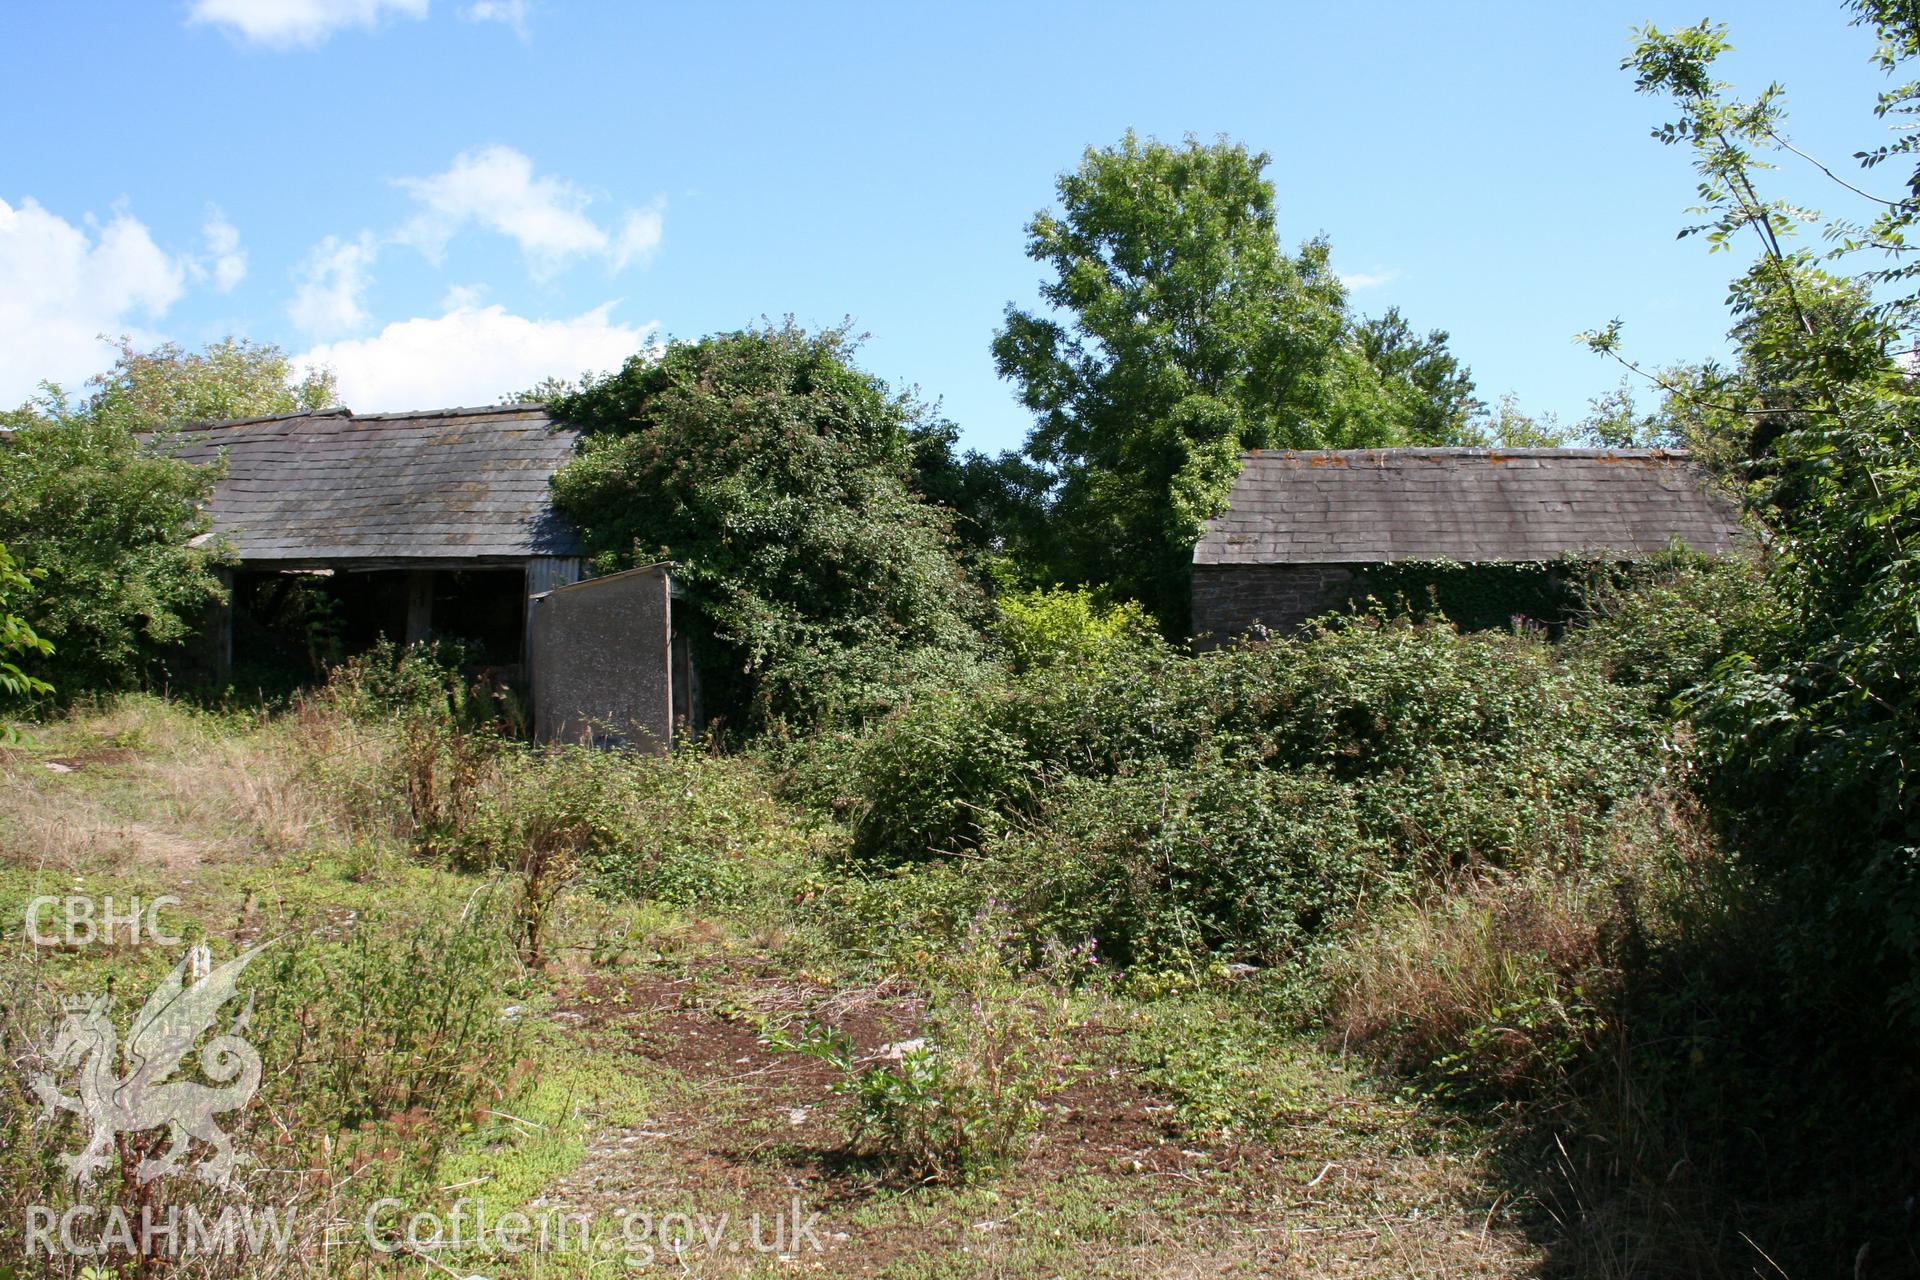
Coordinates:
[1111,1186]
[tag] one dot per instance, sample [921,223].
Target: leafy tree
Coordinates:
[232,378]
[1615,420]
[998,504]
[1432,389]
[780,478]
[1813,735]
[17,637]
[1176,333]
[112,522]
[1507,426]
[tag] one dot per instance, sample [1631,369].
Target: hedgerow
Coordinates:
[1238,803]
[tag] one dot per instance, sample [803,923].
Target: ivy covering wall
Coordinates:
[1477,597]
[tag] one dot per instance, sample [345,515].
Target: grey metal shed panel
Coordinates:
[603,661]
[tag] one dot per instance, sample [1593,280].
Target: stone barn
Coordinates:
[441,525]
[1302,529]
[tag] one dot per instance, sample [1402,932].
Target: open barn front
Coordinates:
[289,625]
[344,531]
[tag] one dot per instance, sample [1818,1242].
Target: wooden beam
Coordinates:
[419,605]
[220,632]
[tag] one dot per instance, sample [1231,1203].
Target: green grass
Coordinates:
[1262,1153]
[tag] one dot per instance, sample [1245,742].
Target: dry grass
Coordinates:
[1533,999]
[1494,979]
[142,783]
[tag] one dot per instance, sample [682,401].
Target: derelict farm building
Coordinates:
[442,523]
[1302,528]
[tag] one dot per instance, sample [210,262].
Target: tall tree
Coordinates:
[1432,390]
[782,480]
[109,523]
[1176,333]
[232,378]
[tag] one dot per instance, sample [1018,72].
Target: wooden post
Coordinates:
[220,633]
[419,605]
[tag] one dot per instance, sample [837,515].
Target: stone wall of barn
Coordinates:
[1233,600]
[1230,600]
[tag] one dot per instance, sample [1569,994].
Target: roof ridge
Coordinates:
[460,411]
[336,411]
[341,411]
[1474,451]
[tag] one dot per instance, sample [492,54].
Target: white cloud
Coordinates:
[283,24]
[471,356]
[495,188]
[332,281]
[640,235]
[459,297]
[223,247]
[511,12]
[66,285]
[1370,279]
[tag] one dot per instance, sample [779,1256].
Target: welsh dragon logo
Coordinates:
[143,1098]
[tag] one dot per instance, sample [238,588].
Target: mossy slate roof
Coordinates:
[333,485]
[1369,506]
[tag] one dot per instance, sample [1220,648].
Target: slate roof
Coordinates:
[334,485]
[1367,506]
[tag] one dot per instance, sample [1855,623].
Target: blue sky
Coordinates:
[447,199]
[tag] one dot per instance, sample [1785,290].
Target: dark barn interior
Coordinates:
[298,620]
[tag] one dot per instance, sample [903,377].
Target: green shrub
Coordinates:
[1238,805]
[17,638]
[941,771]
[1067,627]
[1370,699]
[894,916]
[686,828]
[1165,867]
[424,679]
[389,1029]
[1463,748]
[1475,597]
[1661,627]
[927,779]
[961,1100]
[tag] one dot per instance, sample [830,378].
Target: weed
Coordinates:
[1490,989]
[960,1101]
